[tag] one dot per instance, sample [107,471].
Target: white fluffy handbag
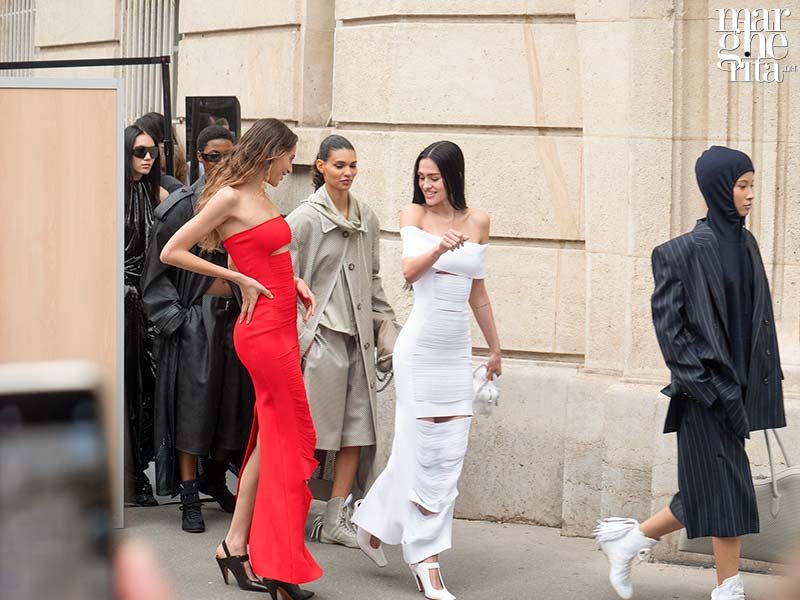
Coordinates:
[778,499]
[487,393]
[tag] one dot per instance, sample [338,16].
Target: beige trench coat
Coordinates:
[323,242]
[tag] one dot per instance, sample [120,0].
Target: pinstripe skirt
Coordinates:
[716,497]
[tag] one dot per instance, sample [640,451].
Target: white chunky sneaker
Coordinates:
[731,589]
[622,541]
[336,525]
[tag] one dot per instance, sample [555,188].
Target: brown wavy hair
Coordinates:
[260,145]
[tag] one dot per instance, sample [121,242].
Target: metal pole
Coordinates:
[93,62]
[168,141]
[104,62]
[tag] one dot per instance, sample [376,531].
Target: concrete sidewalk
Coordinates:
[489,561]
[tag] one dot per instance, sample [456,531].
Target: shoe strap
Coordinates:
[428,566]
[240,557]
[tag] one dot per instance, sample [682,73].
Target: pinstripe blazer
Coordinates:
[690,318]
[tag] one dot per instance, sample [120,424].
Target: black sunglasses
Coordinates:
[142,151]
[213,157]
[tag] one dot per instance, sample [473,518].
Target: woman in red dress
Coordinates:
[273,497]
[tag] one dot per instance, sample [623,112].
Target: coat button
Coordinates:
[372,386]
[767,352]
[351,266]
[346,234]
[765,380]
[366,346]
[358,307]
[766,321]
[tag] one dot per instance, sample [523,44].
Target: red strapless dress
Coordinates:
[268,348]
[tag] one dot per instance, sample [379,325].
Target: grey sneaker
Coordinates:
[336,525]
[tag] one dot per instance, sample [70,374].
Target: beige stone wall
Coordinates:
[580,122]
[60,36]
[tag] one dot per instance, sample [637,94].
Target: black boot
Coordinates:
[190,505]
[213,484]
[143,493]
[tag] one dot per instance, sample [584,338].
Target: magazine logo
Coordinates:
[752,44]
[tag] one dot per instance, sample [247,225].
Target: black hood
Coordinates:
[717,170]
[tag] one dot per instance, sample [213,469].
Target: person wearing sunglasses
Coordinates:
[142,186]
[204,396]
[213,144]
[152,124]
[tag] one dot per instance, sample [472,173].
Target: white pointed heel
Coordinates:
[421,572]
[376,555]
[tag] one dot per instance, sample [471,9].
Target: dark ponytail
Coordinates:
[328,145]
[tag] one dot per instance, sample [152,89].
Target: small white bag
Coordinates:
[487,393]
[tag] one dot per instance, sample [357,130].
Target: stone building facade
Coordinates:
[580,121]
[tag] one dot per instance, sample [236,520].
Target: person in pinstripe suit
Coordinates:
[712,313]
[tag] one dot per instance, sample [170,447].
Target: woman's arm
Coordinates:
[415,267]
[482,309]
[176,250]
[381,309]
[688,371]
[482,306]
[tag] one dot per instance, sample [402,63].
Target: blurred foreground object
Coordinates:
[55,511]
[791,584]
[137,574]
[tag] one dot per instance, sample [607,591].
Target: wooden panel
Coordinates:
[59,268]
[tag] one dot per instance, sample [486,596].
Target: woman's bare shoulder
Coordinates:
[480,221]
[225,198]
[411,215]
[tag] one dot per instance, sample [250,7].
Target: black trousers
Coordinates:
[716,497]
[139,386]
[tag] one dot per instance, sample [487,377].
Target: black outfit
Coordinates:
[204,397]
[139,378]
[717,172]
[198,185]
[713,318]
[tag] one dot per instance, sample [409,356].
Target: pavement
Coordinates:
[496,561]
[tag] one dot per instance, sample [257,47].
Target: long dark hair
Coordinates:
[450,160]
[260,145]
[328,145]
[153,125]
[153,178]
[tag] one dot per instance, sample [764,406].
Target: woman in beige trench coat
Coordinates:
[335,249]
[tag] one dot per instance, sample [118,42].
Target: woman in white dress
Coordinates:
[444,244]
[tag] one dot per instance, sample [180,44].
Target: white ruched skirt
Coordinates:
[433,378]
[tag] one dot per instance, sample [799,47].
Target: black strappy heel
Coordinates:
[290,590]
[235,564]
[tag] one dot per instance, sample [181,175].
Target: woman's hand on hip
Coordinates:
[251,290]
[306,297]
